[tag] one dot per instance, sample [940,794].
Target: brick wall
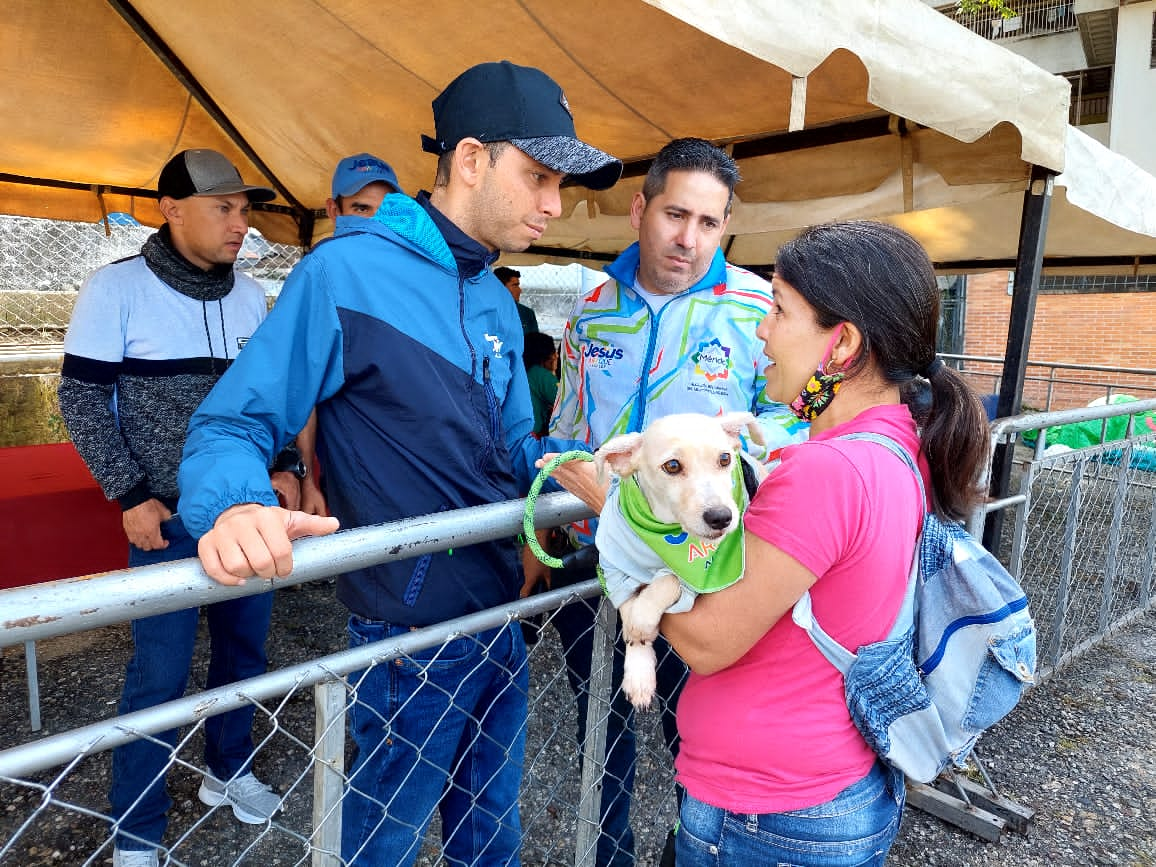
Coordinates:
[1108,329]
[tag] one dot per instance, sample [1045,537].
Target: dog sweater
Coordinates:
[634,547]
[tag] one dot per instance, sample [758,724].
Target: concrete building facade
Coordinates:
[1106,49]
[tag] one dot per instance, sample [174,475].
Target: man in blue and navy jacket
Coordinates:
[410,348]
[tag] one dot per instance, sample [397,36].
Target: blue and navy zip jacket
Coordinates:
[410,348]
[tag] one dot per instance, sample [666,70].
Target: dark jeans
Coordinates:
[575,625]
[159,672]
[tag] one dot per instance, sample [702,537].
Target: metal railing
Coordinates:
[1082,544]
[1031,18]
[1045,384]
[1083,539]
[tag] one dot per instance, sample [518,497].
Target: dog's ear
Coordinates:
[620,453]
[734,422]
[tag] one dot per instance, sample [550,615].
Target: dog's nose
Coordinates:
[717,517]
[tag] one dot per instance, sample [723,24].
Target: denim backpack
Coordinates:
[957,660]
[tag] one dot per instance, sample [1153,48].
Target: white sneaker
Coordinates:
[135,858]
[253,802]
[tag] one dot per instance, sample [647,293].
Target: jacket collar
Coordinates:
[425,227]
[624,269]
[471,257]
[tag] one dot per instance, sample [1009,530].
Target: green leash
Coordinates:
[532,500]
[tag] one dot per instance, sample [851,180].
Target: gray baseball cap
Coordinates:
[203,172]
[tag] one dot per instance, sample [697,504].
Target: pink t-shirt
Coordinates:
[772,732]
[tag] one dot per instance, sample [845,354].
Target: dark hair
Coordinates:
[691,155]
[878,278]
[442,178]
[505,275]
[538,349]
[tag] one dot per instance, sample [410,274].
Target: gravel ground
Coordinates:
[1080,751]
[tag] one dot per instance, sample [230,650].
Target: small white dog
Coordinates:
[662,535]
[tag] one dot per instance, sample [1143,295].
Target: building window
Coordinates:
[1096,284]
[1091,95]
[1152,58]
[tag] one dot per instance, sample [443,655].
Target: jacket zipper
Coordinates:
[638,414]
[491,398]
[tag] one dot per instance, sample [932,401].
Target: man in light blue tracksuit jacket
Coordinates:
[411,350]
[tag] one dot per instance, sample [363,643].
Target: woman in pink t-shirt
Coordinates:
[775,772]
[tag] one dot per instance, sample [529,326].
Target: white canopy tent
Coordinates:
[833,108]
[819,99]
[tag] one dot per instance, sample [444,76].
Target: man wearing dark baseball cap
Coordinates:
[155,332]
[398,332]
[495,102]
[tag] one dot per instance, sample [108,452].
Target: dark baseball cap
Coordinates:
[355,173]
[203,172]
[495,102]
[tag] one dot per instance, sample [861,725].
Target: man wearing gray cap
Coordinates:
[150,335]
[398,331]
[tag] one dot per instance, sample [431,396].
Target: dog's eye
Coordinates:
[724,460]
[672,467]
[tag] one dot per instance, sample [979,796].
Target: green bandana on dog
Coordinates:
[703,566]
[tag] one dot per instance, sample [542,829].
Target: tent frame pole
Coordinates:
[1029,264]
[184,75]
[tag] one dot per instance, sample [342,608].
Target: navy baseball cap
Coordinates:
[204,172]
[495,102]
[355,173]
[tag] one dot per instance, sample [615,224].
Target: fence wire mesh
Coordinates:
[1082,545]
[59,815]
[43,264]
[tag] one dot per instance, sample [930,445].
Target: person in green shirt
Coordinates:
[540,356]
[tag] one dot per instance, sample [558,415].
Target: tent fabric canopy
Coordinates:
[1102,204]
[834,108]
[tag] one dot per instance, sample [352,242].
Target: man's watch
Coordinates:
[289,461]
[298,469]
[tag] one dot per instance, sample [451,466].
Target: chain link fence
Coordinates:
[44,262]
[55,789]
[1082,543]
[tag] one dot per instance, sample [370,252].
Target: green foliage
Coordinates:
[974,6]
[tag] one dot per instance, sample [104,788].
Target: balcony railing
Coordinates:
[1031,19]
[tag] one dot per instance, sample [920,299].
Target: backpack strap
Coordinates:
[804,615]
[895,449]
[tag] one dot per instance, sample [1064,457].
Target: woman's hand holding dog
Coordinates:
[251,539]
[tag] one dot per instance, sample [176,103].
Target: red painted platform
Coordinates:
[54,520]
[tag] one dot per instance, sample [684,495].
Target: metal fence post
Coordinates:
[1111,557]
[33,685]
[329,699]
[1149,559]
[1067,556]
[598,711]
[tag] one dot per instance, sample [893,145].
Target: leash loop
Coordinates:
[532,500]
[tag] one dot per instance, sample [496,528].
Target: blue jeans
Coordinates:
[442,728]
[159,671]
[575,625]
[856,827]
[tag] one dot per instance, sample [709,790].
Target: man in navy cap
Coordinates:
[398,332]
